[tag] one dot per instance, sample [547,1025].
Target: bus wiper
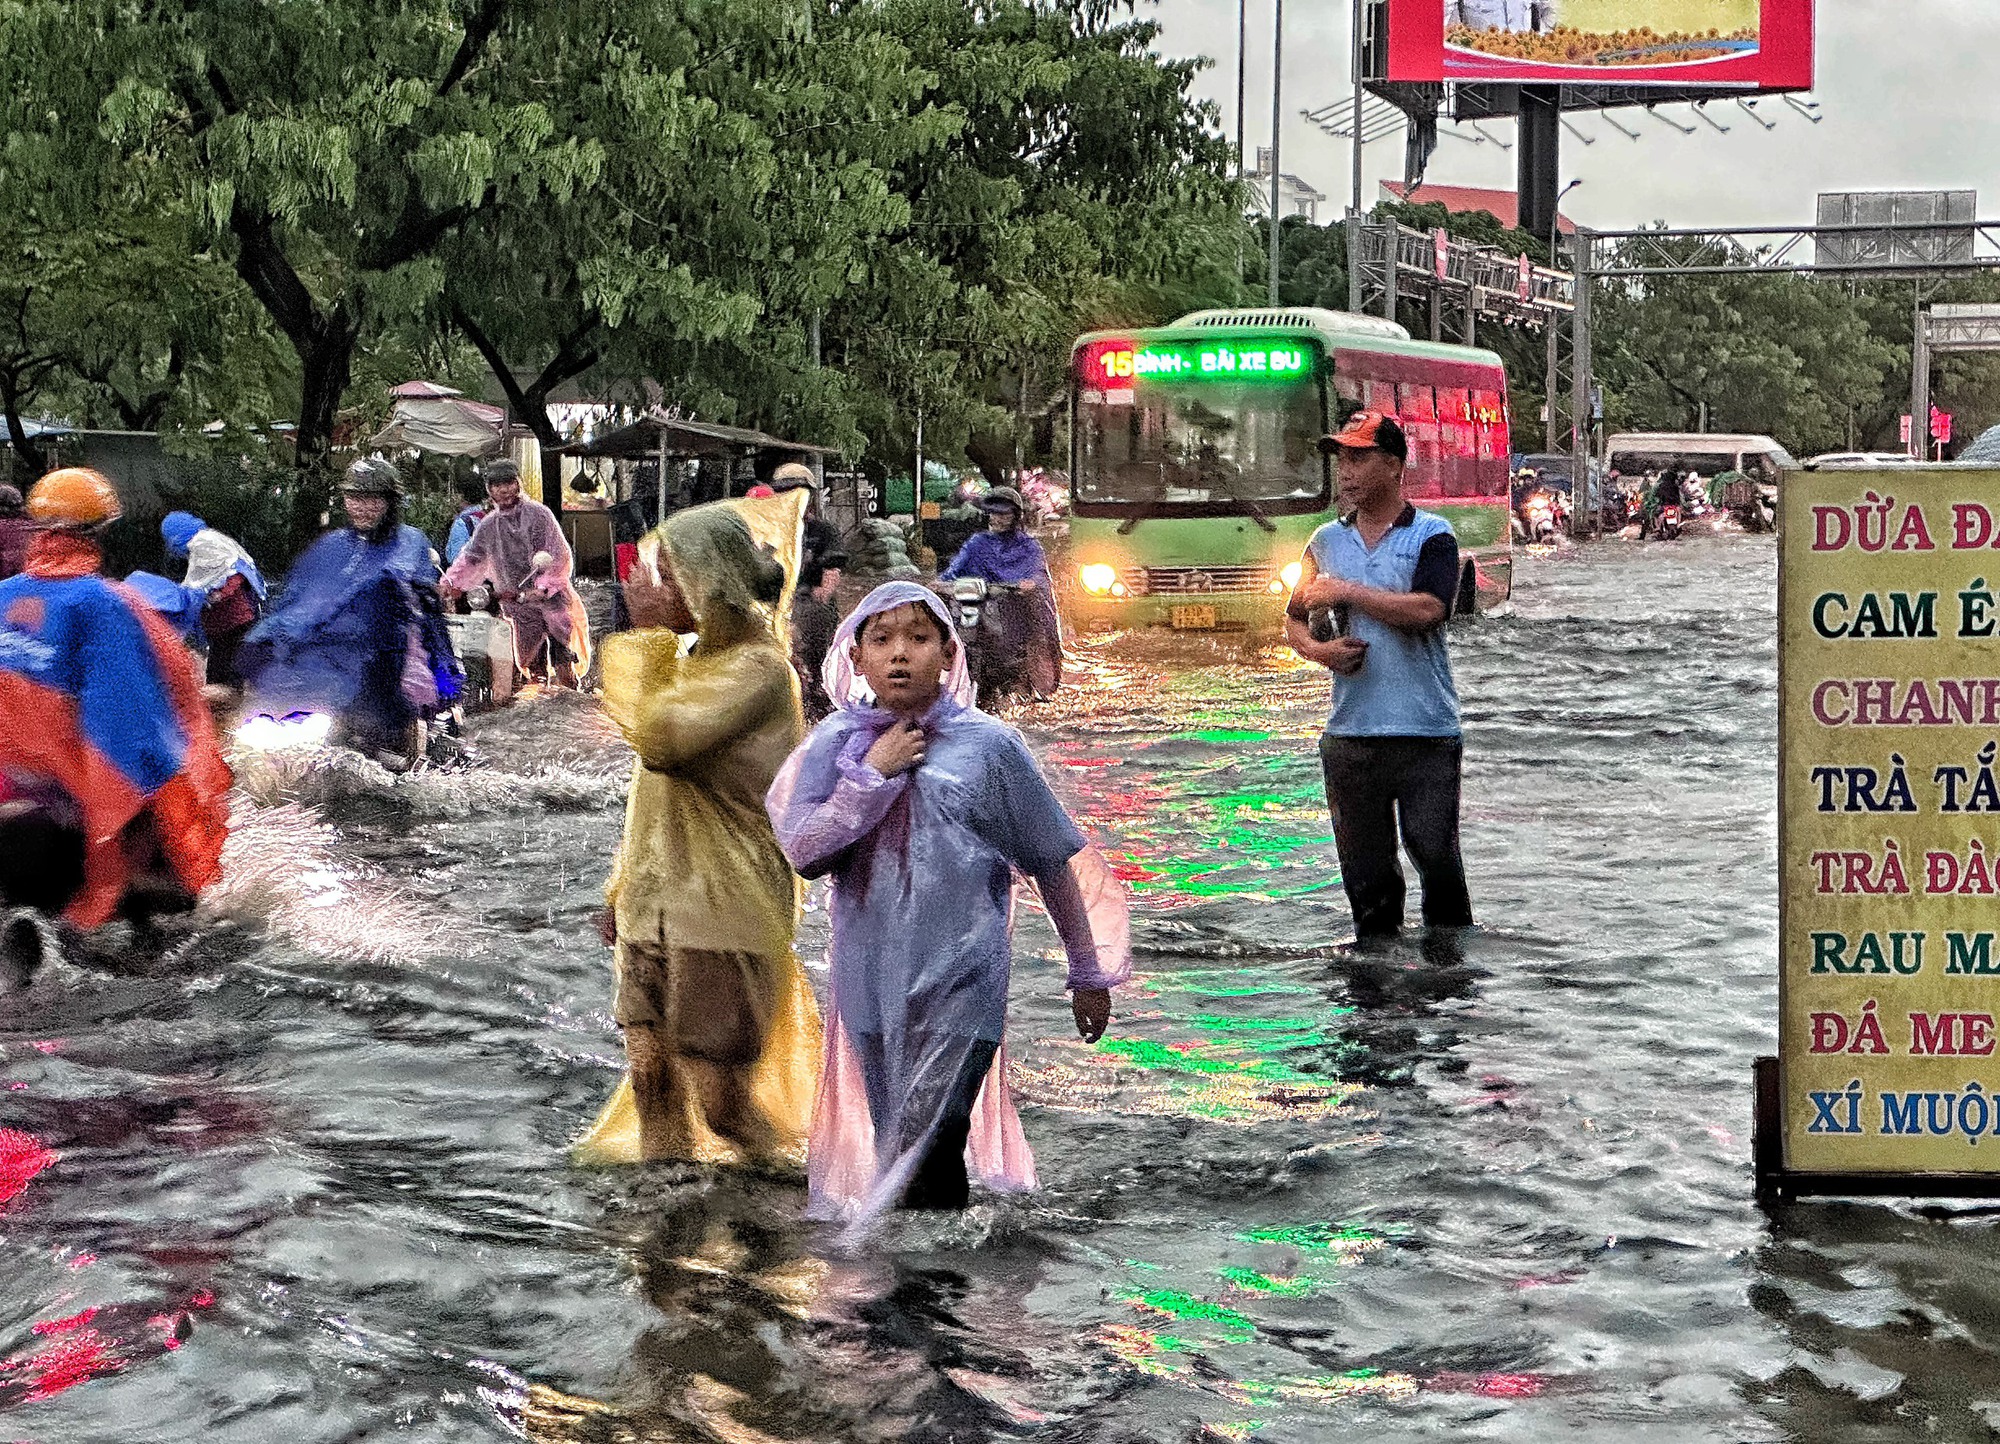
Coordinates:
[1141,511]
[1257,515]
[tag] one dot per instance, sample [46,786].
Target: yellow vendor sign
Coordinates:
[1888,1078]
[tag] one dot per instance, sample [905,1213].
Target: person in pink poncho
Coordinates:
[923,810]
[539,601]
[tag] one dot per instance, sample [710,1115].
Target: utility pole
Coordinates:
[1277,119]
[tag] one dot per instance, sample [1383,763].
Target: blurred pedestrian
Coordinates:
[16,531]
[814,611]
[473,507]
[1387,573]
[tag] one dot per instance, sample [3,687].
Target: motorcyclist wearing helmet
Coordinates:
[814,613]
[1005,554]
[519,548]
[113,793]
[358,632]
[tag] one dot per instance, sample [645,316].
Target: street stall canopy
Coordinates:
[429,417]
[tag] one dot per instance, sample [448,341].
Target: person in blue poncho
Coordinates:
[1004,553]
[358,632]
[230,588]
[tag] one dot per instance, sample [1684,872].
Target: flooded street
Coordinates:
[302,1175]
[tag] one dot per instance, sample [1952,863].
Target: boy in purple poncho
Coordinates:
[922,809]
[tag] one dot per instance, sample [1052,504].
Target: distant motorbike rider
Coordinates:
[113,794]
[358,632]
[815,615]
[1666,492]
[551,631]
[231,588]
[1004,553]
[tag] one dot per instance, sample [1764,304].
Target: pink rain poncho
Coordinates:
[923,867]
[502,551]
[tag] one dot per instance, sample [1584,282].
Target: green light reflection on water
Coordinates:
[1236,1328]
[1254,1282]
[1318,1237]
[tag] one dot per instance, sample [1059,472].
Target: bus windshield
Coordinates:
[1221,446]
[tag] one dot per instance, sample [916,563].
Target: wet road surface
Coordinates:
[299,1174]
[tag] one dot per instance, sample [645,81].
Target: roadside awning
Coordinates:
[655,433]
[431,417]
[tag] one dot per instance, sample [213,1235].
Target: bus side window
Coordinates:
[1489,417]
[1416,408]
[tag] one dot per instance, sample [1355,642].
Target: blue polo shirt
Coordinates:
[1404,687]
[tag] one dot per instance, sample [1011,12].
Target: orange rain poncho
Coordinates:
[699,867]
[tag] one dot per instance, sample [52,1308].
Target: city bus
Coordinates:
[1195,470]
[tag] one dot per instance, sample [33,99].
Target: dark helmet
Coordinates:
[372,476]
[1002,498]
[498,473]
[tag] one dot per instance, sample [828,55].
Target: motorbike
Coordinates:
[1668,527]
[999,629]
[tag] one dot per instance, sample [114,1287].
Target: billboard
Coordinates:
[1889,826]
[1755,44]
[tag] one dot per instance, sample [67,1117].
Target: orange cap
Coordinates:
[75,496]
[1370,429]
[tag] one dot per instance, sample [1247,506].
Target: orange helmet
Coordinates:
[74,497]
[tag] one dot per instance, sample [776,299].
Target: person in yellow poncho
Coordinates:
[721,1031]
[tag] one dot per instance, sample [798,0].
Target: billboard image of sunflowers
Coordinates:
[1607,34]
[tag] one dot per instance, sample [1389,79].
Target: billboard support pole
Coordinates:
[1539,160]
[1277,117]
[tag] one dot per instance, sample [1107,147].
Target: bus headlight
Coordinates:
[1098,579]
[1290,575]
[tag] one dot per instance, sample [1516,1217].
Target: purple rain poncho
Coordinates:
[502,551]
[923,868]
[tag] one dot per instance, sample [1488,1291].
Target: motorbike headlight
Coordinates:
[1098,579]
[1290,575]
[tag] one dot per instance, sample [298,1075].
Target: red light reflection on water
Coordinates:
[22,1156]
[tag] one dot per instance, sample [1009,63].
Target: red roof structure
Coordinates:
[1503,206]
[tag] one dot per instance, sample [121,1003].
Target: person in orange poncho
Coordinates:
[113,793]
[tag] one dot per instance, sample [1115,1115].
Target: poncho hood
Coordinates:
[179,528]
[716,562]
[849,689]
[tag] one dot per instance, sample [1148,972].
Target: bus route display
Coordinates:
[1889,826]
[1108,364]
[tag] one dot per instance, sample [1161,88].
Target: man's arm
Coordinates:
[1433,584]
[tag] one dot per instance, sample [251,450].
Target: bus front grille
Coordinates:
[1196,582]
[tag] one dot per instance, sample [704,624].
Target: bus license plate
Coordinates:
[1193,619]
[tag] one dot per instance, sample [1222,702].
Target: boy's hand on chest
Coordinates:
[900,749]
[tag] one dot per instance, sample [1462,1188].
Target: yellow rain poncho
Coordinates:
[699,868]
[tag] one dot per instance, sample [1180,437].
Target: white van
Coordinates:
[1635,453]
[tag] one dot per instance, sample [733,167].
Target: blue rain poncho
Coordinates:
[357,632]
[923,867]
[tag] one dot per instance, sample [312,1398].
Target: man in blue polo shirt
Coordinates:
[1387,574]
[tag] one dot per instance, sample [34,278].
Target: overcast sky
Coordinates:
[1909,89]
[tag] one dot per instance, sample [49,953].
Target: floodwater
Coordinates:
[299,1173]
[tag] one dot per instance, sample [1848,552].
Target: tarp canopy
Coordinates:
[431,417]
[656,432]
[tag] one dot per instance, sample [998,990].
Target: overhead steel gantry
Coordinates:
[1916,251]
[1463,284]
